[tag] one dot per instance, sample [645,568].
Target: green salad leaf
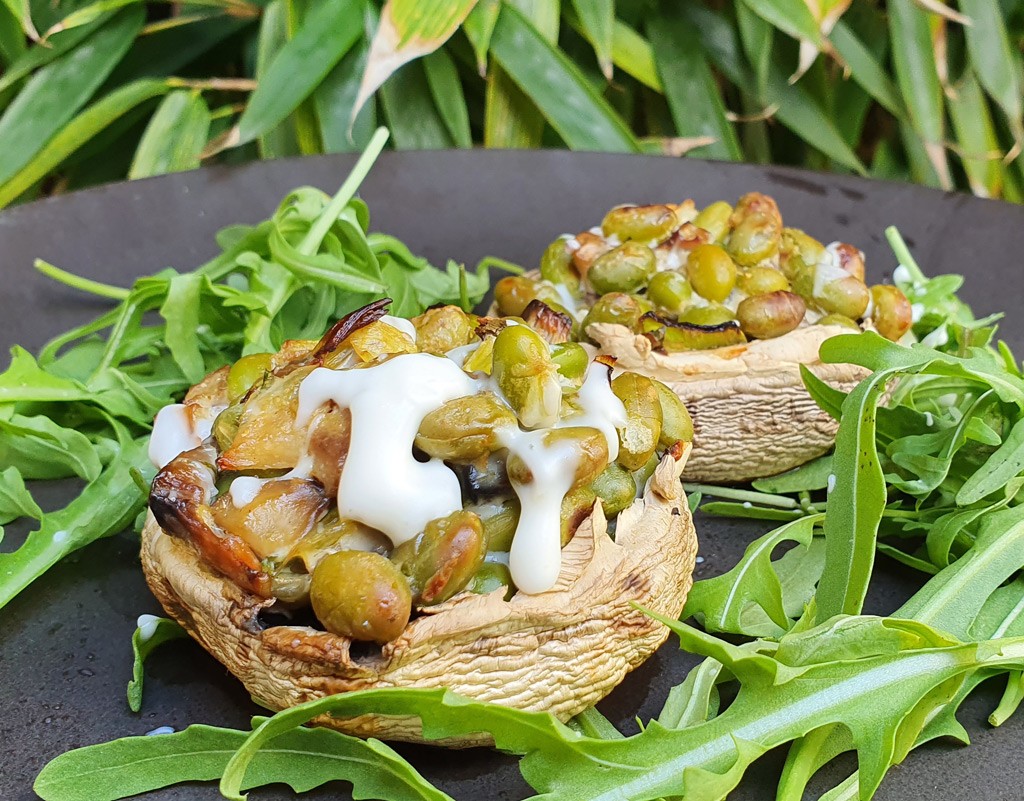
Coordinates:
[151,633]
[302,758]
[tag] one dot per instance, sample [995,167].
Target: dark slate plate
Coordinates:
[64,647]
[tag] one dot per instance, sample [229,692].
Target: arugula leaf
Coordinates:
[749,598]
[151,633]
[302,758]
[105,507]
[15,500]
[40,448]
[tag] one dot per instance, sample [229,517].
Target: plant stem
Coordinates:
[80,283]
[752,496]
[311,241]
[902,253]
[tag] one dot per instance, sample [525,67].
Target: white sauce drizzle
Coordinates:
[462,352]
[403,325]
[203,426]
[599,408]
[565,298]
[172,434]
[916,312]
[929,420]
[826,272]
[937,338]
[382,484]
[831,484]
[244,489]
[536,555]
[147,626]
[901,275]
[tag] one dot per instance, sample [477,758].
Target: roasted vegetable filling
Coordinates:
[394,463]
[695,280]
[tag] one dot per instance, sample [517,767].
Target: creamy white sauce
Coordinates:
[938,337]
[172,434]
[831,484]
[461,353]
[244,489]
[536,555]
[826,272]
[565,298]
[916,312]
[572,244]
[403,325]
[599,408]
[160,730]
[901,275]
[147,626]
[382,484]
[929,420]
[202,425]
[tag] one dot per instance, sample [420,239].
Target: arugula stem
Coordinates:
[902,253]
[311,241]
[80,283]
[751,496]
[494,262]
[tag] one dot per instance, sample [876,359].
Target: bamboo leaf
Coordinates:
[633,55]
[171,51]
[597,18]
[993,60]
[409,29]
[445,88]
[978,145]
[12,37]
[583,119]
[866,70]
[328,31]
[918,80]
[792,17]
[22,13]
[511,119]
[281,140]
[175,136]
[414,119]
[42,54]
[56,92]
[478,27]
[756,36]
[795,107]
[335,100]
[694,101]
[79,131]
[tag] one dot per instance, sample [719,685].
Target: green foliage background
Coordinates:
[911,90]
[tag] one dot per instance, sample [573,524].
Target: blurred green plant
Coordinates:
[97,90]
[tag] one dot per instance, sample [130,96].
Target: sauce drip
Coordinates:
[383,485]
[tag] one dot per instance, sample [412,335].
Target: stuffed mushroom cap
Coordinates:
[559,651]
[231,543]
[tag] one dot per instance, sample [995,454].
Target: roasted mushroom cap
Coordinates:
[752,416]
[559,651]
